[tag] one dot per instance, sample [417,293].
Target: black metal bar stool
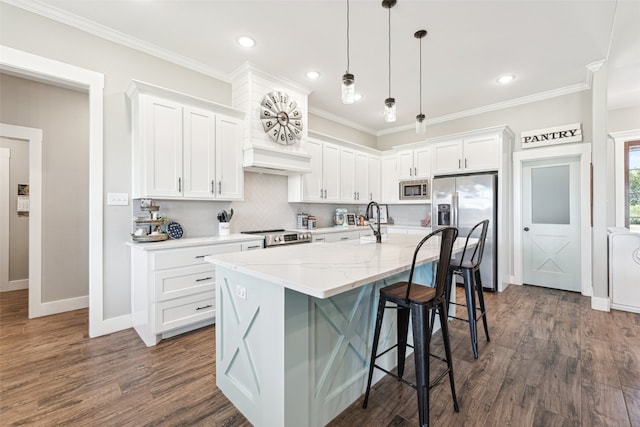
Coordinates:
[468,266]
[418,301]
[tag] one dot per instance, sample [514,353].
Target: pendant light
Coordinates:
[421,123]
[348,80]
[389,103]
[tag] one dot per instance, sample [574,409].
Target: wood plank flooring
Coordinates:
[552,361]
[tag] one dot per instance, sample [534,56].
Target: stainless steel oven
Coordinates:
[281,237]
[417,189]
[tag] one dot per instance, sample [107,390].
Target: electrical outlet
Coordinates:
[241,292]
[118,199]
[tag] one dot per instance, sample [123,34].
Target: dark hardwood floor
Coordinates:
[552,361]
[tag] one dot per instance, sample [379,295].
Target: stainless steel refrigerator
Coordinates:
[463,201]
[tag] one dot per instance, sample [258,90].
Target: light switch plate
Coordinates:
[118,199]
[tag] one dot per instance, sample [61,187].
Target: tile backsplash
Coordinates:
[265,206]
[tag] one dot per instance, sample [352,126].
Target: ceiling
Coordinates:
[547,45]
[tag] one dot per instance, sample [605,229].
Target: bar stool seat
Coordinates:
[468,266]
[418,301]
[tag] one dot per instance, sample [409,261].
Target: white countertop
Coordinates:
[193,241]
[323,270]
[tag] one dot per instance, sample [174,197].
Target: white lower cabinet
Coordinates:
[173,290]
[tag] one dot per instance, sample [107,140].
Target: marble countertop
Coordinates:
[323,270]
[193,241]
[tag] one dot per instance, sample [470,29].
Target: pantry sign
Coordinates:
[551,136]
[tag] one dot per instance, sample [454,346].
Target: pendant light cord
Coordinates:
[389,52]
[347,36]
[420,75]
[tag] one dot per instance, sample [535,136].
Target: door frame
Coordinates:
[36,67]
[583,151]
[33,137]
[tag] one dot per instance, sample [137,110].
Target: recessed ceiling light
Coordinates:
[507,78]
[357,97]
[313,75]
[245,41]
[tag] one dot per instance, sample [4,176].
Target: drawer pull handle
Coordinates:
[201,256]
[202,280]
[254,247]
[344,238]
[202,308]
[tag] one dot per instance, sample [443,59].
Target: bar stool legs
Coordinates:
[421,351]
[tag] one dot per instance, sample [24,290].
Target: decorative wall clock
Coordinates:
[281,118]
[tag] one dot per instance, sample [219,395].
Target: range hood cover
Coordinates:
[260,153]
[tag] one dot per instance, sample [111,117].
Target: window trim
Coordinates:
[627,146]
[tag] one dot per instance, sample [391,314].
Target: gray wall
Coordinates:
[322,125]
[18,225]
[623,119]
[63,116]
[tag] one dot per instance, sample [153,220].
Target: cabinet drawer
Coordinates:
[180,282]
[184,311]
[190,256]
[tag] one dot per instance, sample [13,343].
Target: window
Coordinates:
[632,185]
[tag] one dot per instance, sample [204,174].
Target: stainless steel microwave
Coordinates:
[417,189]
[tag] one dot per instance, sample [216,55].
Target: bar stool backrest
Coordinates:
[447,236]
[475,258]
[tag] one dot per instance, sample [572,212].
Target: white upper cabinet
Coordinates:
[184,147]
[361,178]
[472,154]
[229,173]
[389,184]
[322,184]
[415,163]
[160,149]
[374,179]
[199,136]
[347,175]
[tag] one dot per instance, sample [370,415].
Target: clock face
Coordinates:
[281,118]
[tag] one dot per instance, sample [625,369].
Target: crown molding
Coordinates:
[341,120]
[247,67]
[106,33]
[541,96]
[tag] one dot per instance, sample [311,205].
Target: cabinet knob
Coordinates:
[526,229]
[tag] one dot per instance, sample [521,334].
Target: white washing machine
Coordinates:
[624,269]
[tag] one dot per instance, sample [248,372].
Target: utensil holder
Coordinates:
[224,228]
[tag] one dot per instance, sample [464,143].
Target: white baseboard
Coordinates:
[601,304]
[109,326]
[15,285]
[60,306]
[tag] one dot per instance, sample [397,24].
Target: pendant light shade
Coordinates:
[389,103]
[348,87]
[390,110]
[421,123]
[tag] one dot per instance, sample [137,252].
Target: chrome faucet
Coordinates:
[375,233]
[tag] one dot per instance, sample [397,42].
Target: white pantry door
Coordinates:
[551,223]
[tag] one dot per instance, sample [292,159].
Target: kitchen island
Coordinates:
[295,324]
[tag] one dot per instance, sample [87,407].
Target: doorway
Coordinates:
[551,223]
[562,153]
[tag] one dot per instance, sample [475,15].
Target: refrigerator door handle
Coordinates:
[454,209]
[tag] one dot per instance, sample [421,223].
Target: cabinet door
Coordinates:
[199,137]
[447,157]
[347,175]
[161,123]
[331,171]
[312,189]
[389,185]
[422,162]
[481,154]
[229,173]
[405,164]
[362,177]
[374,180]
